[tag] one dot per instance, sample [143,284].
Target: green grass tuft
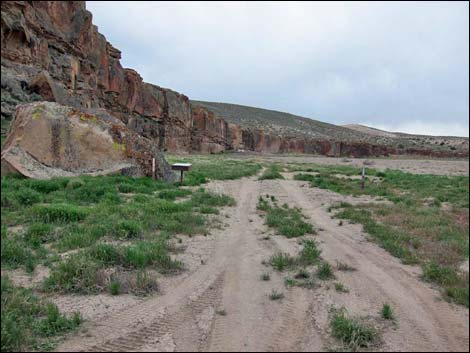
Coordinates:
[272,172]
[282,261]
[387,312]
[28,322]
[353,334]
[288,221]
[61,213]
[324,271]
[275,295]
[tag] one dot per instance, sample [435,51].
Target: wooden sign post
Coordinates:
[153,168]
[181,167]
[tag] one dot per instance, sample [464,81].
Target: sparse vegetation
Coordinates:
[310,254]
[275,295]
[302,274]
[414,226]
[29,322]
[41,219]
[272,172]
[387,312]
[339,287]
[287,221]
[72,213]
[289,282]
[282,261]
[265,276]
[352,333]
[207,168]
[342,266]
[114,287]
[83,271]
[324,271]
[221,312]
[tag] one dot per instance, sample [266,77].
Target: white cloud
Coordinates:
[342,62]
[424,128]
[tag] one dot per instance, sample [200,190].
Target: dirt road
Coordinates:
[221,304]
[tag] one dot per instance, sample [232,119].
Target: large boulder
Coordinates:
[47,139]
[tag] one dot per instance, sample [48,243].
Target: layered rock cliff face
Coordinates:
[48,140]
[51,51]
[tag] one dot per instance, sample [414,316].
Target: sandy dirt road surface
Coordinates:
[221,304]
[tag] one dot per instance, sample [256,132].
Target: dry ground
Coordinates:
[415,166]
[224,277]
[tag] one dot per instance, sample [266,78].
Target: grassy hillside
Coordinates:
[285,124]
[279,122]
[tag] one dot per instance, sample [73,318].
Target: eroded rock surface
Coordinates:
[48,140]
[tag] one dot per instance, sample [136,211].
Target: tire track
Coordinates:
[141,322]
[290,333]
[184,321]
[425,323]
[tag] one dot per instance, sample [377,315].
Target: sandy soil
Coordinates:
[224,271]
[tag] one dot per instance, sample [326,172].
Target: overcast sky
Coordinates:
[396,66]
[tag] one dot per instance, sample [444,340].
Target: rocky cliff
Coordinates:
[51,51]
[48,140]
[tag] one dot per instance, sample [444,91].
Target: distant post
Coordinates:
[153,168]
[363,178]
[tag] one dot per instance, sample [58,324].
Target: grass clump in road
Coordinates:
[221,312]
[302,274]
[325,271]
[290,282]
[352,333]
[265,276]
[287,221]
[272,172]
[29,323]
[275,295]
[344,267]
[282,261]
[310,254]
[341,288]
[387,312]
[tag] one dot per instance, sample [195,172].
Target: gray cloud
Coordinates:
[400,66]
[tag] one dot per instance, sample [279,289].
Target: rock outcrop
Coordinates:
[48,140]
[51,51]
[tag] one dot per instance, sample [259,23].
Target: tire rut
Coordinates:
[425,322]
[183,321]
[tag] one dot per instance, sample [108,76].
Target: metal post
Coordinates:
[181,179]
[363,181]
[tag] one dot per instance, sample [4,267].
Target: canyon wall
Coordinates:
[51,51]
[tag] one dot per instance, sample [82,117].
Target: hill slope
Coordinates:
[286,124]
